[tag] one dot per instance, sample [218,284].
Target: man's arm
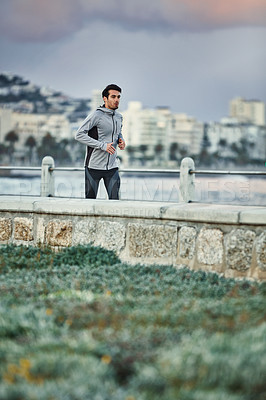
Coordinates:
[121,141]
[82,135]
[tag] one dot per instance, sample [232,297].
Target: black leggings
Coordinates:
[111,182]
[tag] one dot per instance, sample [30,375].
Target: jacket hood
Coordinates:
[106,110]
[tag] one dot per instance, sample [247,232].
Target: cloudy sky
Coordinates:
[191,55]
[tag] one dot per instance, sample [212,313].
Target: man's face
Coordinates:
[112,101]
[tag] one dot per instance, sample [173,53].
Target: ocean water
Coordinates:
[221,189]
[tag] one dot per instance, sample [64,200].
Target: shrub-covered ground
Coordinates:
[79,324]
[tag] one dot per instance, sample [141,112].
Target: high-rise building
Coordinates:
[159,132]
[38,125]
[143,126]
[96,99]
[247,111]
[228,135]
[187,132]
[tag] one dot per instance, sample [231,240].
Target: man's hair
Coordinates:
[112,86]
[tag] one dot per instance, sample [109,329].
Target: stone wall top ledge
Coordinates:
[199,212]
[113,208]
[17,203]
[217,213]
[64,206]
[255,216]
[196,212]
[123,208]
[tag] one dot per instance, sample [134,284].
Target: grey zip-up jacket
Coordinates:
[99,128]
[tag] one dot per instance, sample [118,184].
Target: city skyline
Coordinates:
[192,58]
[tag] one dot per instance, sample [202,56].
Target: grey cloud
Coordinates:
[39,20]
[50,20]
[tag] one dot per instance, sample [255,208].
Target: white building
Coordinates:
[228,132]
[187,132]
[142,126]
[148,128]
[159,127]
[6,123]
[132,123]
[96,99]
[222,135]
[38,125]
[247,111]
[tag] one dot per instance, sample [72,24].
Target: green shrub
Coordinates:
[79,324]
[31,257]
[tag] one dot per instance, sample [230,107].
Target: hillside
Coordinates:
[19,94]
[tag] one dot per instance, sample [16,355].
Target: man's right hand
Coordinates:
[110,149]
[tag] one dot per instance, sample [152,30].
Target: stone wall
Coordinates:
[230,240]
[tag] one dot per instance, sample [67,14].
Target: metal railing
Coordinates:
[221,172]
[186,172]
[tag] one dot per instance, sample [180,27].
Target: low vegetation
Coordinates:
[80,324]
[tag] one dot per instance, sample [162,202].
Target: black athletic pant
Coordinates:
[111,182]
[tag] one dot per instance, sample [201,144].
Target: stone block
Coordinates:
[205,213]
[260,247]
[111,235]
[23,229]
[187,242]
[253,216]
[151,241]
[40,230]
[64,206]
[131,209]
[59,233]
[210,247]
[17,203]
[5,229]
[84,232]
[238,249]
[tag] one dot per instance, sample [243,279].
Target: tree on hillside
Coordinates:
[204,156]
[2,152]
[143,148]
[11,137]
[30,143]
[173,151]
[242,151]
[131,152]
[158,151]
[50,147]
[65,151]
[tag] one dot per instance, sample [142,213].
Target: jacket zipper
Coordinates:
[112,141]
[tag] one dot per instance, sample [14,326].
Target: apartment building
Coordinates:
[224,135]
[96,99]
[187,132]
[6,123]
[38,125]
[247,111]
[159,129]
[147,129]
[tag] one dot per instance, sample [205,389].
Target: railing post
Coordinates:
[187,180]
[47,179]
